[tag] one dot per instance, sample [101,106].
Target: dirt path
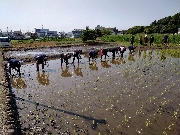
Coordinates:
[7,111]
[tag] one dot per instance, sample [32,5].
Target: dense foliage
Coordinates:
[168,24]
[91,34]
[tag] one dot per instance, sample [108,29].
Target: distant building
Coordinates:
[99,27]
[114,31]
[18,35]
[120,32]
[45,32]
[77,33]
[69,35]
[178,30]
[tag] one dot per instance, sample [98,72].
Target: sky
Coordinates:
[67,15]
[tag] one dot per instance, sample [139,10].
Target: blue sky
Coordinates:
[66,15]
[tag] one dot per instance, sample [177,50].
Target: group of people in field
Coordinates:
[145,40]
[64,57]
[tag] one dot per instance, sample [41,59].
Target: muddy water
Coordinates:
[137,94]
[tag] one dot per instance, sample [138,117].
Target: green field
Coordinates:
[123,39]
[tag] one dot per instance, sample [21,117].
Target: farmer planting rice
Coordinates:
[93,54]
[40,59]
[131,49]
[122,50]
[77,55]
[114,50]
[14,64]
[104,52]
[64,57]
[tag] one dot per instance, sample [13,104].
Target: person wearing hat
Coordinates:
[40,59]
[14,64]
[145,40]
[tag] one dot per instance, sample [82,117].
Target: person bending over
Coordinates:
[14,64]
[40,59]
[131,49]
[77,55]
[122,50]
[93,54]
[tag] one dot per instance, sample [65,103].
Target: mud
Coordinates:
[136,94]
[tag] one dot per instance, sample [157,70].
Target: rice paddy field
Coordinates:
[134,95]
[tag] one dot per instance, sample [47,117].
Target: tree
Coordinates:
[34,36]
[168,24]
[89,35]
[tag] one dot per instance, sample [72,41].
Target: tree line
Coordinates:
[168,24]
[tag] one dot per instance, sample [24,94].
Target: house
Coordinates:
[27,35]
[114,31]
[18,35]
[77,33]
[178,30]
[120,32]
[45,32]
[99,27]
[69,35]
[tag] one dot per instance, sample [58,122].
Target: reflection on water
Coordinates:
[93,66]
[43,78]
[18,82]
[118,61]
[105,64]
[131,57]
[65,72]
[78,70]
[136,94]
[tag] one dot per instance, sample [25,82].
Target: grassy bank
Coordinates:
[119,39]
[125,39]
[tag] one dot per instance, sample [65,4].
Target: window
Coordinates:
[4,40]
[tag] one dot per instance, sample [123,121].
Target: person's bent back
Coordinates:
[40,59]
[14,64]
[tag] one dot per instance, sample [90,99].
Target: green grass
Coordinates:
[174,39]
[123,39]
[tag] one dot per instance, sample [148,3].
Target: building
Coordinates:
[178,30]
[114,31]
[18,35]
[99,27]
[120,32]
[77,33]
[45,32]
[69,35]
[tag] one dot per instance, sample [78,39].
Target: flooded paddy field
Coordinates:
[27,55]
[136,94]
